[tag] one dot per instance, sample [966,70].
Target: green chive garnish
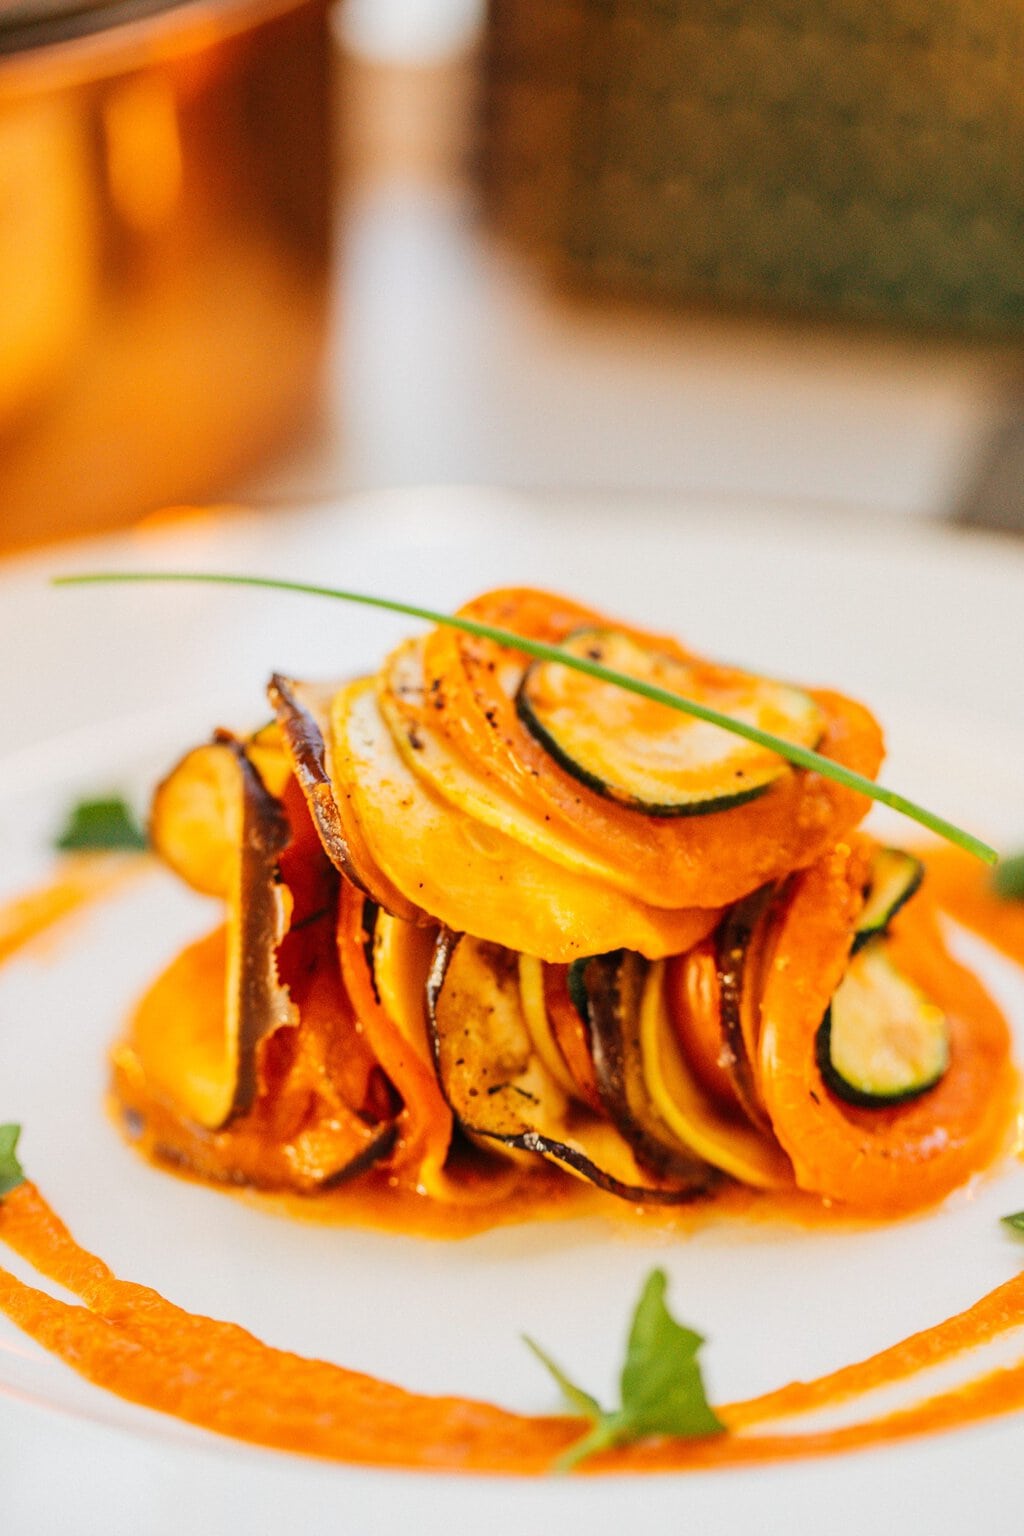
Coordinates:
[800,757]
[1008,879]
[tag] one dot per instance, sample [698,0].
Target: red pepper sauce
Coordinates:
[131,1341]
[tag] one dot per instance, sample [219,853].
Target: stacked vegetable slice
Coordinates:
[483,902]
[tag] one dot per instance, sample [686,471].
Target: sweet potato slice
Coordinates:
[474,879]
[405,703]
[707,860]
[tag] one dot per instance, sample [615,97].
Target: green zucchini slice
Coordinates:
[646,756]
[895,876]
[500,1088]
[882,1040]
[400,694]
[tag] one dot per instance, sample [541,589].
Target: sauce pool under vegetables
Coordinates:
[128,1339]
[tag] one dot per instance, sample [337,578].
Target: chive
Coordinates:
[800,757]
[1008,879]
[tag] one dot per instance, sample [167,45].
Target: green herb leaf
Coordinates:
[577,1399]
[1008,878]
[661,1389]
[96,824]
[11,1172]
[800,757]
[1014,1222]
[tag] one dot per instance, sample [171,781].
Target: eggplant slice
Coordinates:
[217,826]
[499,1087]
[244,1060]
[299,1135]
[739,944]
[613,985]
[303,712]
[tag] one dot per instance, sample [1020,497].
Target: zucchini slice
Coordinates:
[402,695]
[882,1040]
[401,955]
[651,758]
[499,1087]
[895,876]
[532,996]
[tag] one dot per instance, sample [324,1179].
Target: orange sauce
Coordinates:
[131,1341]
[128,1339]
[962,886]
[84,878]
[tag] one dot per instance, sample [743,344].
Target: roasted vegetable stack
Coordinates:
[483,911]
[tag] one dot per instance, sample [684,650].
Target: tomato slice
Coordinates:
[694,1003]
[571,1035]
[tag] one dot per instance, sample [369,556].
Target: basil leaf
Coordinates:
[101,824]
[575,1397]
[11,1172]
[661,1389]
[1008,878]
[1014,1222]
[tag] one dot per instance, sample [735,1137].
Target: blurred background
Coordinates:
[273,251]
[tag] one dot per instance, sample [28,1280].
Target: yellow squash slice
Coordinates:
[729,1144]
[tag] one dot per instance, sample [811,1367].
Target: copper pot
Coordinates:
[164,251]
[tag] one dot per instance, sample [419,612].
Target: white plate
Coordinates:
[105,686]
